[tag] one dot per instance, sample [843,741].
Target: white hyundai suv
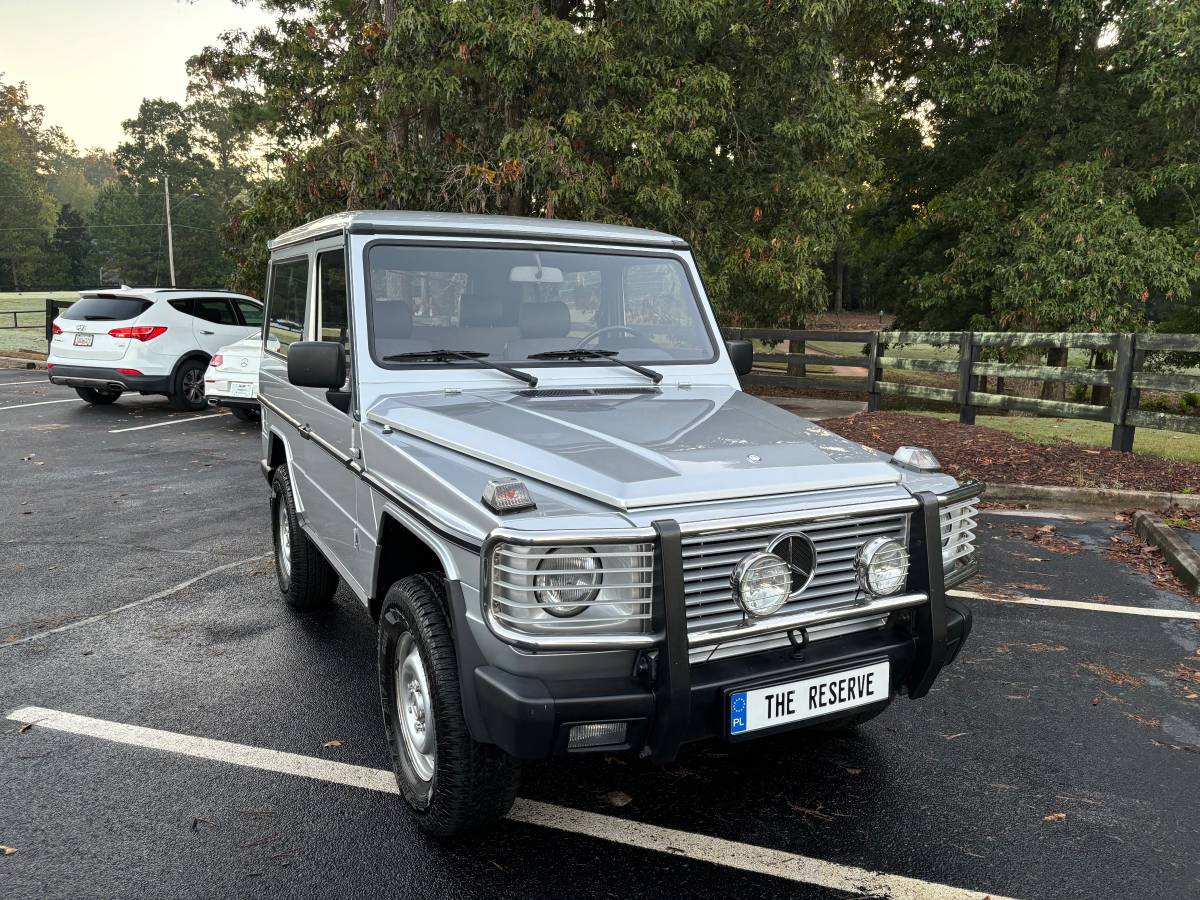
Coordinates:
[149,340]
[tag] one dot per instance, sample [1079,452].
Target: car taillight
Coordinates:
[138,332]
[216,361]
[54,329]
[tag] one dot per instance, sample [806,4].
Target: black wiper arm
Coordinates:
[610,355]
[470,355]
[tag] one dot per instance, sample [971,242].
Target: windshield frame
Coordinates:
[681,256]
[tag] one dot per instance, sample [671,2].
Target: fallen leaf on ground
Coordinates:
[1121,678]
[1054,817]
[332,744]
[618,798]
[24,728]
[8,851]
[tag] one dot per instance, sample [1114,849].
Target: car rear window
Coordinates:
[102,309]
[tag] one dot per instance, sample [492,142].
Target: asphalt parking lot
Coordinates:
[169,729]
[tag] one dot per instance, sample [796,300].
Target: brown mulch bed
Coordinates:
[990,455]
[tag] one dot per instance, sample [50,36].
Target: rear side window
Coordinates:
[184,306]
[106,309]
[217,310]
[252,313]
[286,302]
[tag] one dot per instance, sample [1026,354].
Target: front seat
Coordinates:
[392,322]
[544,326]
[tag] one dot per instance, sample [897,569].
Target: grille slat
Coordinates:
[709,559]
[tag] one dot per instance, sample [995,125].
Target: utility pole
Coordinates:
[170,237]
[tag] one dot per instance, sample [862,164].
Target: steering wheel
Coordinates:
[647,342]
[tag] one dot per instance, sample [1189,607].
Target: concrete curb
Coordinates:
[1106,498]
[17,362]
[1179,553]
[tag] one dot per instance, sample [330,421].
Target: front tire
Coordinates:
[306,579]
[97,397]
[189,386]
[451,783]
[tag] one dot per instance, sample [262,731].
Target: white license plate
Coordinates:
[808,698]
[241,389]
[83,340]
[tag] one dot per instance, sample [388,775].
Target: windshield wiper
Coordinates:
[610,355]
[470,355]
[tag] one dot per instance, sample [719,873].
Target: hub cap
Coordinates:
[285,541]
[193,386]
[414,706]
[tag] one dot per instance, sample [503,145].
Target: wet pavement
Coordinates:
[1059,756]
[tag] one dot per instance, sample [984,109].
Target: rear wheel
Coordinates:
[97,397]
[450,782]
[245,414]
[306,579]
[189,386]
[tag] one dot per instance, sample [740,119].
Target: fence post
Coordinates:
[51,314]
[968,381]
[873,373]
[798,369]
[1124,396]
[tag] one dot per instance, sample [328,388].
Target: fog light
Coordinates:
[881,566]
[597,734]
[761,584]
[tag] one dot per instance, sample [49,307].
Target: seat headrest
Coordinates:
[475,311]
[545,320]
[393,318]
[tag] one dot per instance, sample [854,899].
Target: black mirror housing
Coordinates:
[741,354]
[317,364]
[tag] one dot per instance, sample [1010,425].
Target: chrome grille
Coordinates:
[708,561]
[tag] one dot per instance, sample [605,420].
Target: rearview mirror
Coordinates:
[317,364]
[536,274]
[741,354]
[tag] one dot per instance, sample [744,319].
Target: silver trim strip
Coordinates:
[964,491]
[800,517]
[806,619]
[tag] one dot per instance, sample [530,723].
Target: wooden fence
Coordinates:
[1125,379]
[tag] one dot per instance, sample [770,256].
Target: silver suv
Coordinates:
[522,446]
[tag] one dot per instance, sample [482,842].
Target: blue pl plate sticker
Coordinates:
[737,713]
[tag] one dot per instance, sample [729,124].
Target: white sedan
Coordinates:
[232,377]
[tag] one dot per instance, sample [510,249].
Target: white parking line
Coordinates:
[45,381]
[161,595]
[669,841]
[168,422]
[1080,604]
[39,403]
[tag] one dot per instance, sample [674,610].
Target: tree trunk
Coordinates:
[1055,390]
[839,278]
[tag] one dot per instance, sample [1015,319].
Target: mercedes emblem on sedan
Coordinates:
[798,551]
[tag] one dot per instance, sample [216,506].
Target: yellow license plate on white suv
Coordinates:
[808,698]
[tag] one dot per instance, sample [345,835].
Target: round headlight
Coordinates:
[881,566]
[567,580]
[761,584]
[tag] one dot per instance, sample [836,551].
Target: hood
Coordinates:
[639,448]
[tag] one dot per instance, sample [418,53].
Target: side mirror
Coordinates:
[317,364]
[741,353]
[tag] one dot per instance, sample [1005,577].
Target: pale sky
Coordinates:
[90,62]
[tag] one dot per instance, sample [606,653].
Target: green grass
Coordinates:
[1166,444]
[32,339]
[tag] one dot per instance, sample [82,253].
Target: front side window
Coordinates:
[334,302]
[286,303]
[252,313]
[514,304]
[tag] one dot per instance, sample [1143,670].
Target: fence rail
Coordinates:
[1125,380]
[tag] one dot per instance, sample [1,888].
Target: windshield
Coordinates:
[514,304]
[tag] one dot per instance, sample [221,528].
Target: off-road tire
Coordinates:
[97,397]
[184,397]
[245,414]
[308,581]
[473,784]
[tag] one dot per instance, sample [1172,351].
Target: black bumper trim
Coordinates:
[672,670]
[108,379]
[926,547]
[240,403]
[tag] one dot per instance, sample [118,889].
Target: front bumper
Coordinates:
[105,379]
[666,702]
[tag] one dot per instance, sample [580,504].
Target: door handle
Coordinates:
[202,331]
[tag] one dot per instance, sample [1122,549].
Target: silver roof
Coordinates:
[463,224]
